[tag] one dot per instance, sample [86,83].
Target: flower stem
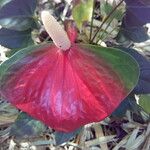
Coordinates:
[106,20]
[91,26]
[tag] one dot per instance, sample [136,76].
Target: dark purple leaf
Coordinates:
[61,137]
[25,126]
[17,14]
[128,104]
[137,15]
[135,34]
[15,39]
[138,12]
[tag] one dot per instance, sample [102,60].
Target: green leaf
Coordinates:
[26,126]
[144,102]
[82,12]
[119,61]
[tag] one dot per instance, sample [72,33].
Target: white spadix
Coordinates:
[55,31]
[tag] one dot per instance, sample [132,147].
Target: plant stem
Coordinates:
[109,34]
[104,31]
[106,20]
[91,26]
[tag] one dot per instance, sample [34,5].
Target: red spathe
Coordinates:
[65,90]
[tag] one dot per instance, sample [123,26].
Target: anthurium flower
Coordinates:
[67,85]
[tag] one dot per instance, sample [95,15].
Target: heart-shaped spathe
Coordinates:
[68,89]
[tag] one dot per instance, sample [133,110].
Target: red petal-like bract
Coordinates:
[63,89]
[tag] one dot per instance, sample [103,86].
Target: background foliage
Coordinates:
[109,23]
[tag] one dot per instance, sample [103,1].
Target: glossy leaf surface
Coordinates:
[135,34]
[137,15]
[68,89]
[17,14]
[25,126]
[137,12]
[15,39]
[129,104]
[143,86]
